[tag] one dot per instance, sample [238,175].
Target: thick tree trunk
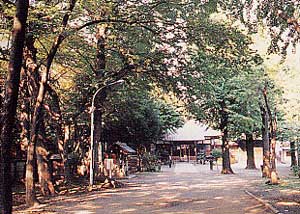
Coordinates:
[99,72]
[57,116]
[293,154]
[46,185]
[42,154]
[273,129]
[250,152]
[30,192]
[10,104]
[226,166]
[44,73]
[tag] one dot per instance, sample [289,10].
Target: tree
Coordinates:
[216,71]
[290,132]
[10,103]
[137,118]
[280,17]
[266,143]
[128,39]
[36,119]
[250,152]
[246,114]
[270,99]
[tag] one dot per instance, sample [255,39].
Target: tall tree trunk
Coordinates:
[273,143]
[266,171]
[274,174]
[293,154]
[10,104]
[99,72]
[273,129]
[226,166]
[42,155]
[24,116]
[57,116]
[67,136]
[44,73]
[250,152]
[273,154]
[30,186]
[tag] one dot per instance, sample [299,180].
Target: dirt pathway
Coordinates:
[183,189]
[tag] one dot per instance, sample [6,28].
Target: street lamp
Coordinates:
[92,152]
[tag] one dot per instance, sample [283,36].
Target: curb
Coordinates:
[268,205]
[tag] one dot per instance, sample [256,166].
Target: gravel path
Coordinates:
[184,189]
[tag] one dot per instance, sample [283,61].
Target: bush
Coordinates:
[151,163]
[216,153]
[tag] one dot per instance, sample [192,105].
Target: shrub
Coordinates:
[216,153]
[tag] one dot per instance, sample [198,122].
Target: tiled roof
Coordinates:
[192,131]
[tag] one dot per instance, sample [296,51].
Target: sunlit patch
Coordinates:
[83,212]
[161,204]
[168,197]
[17,24]
[288,203]
[127,210]
[200,202]
[219,197]
[290,191]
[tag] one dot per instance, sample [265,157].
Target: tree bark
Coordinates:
[250,152]
[57,116]
[10,104]
[44,73]
[24,116]
[42,154]
[293,154]
[273,129]
[226,166]
[266,170]
[273,143]
[99,72]
[30,186]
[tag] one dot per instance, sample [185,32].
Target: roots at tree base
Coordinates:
[227,171]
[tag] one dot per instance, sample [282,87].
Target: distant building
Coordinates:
[194,137]
[187,141]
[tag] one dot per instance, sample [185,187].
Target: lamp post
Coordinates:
[92,152]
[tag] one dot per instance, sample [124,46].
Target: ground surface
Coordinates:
[183,189]
[285,197]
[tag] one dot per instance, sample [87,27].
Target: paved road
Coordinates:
[183,189]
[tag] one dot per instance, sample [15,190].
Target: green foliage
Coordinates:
[224,73]
[216,153]
[289,132]
[136,118]
[151,162]
[279,17]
